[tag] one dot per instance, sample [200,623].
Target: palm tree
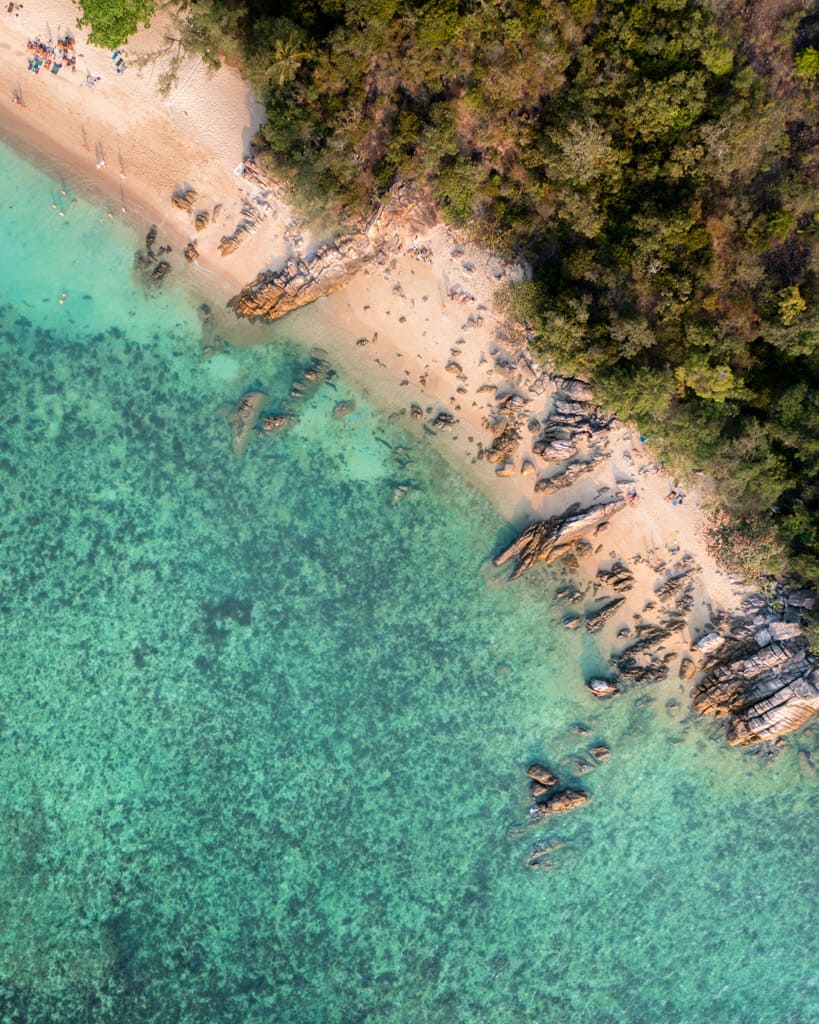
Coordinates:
[287,58]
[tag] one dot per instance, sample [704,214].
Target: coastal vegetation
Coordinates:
[656,163]
[112,21]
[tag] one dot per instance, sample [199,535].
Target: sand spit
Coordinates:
[415,328]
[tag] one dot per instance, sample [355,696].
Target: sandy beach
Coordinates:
[432,338]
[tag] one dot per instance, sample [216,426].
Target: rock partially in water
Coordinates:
[276,422]
[540,773]
[559,803]
[603,687]
[550,539]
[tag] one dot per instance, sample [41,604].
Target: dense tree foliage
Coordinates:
[655,167]
[112,21]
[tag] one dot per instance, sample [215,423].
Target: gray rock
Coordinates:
[603,687]
[710,643]
[784,630]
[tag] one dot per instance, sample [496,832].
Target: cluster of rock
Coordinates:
[150,264]
[573,417]
[550,539]
[248,416]
[184,197]
[761,679]
[550,799]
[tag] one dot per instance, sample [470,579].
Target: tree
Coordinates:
[287,57]
[791,305]
[806,64]
[113,21]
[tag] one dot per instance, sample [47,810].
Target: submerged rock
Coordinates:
[342,409]
[244,420]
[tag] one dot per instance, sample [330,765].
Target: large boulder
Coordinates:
[540,773]
[762,692]
[560,802]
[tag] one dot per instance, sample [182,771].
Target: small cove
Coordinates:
[263,732]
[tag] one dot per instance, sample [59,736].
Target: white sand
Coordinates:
[198,136]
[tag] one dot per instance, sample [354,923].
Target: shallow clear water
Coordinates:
[263,733]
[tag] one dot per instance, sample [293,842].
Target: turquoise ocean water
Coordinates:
[263,733]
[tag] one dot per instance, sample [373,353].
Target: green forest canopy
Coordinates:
[656,166]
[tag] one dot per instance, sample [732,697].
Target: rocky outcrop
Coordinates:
[550,539]
[554,449]
[578,390]
[618,577]
[572,472]
[559,803]
[540,773]
[299,282]
[230,243]
[597,619]
[184,197]
[504,445]
[764,691]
